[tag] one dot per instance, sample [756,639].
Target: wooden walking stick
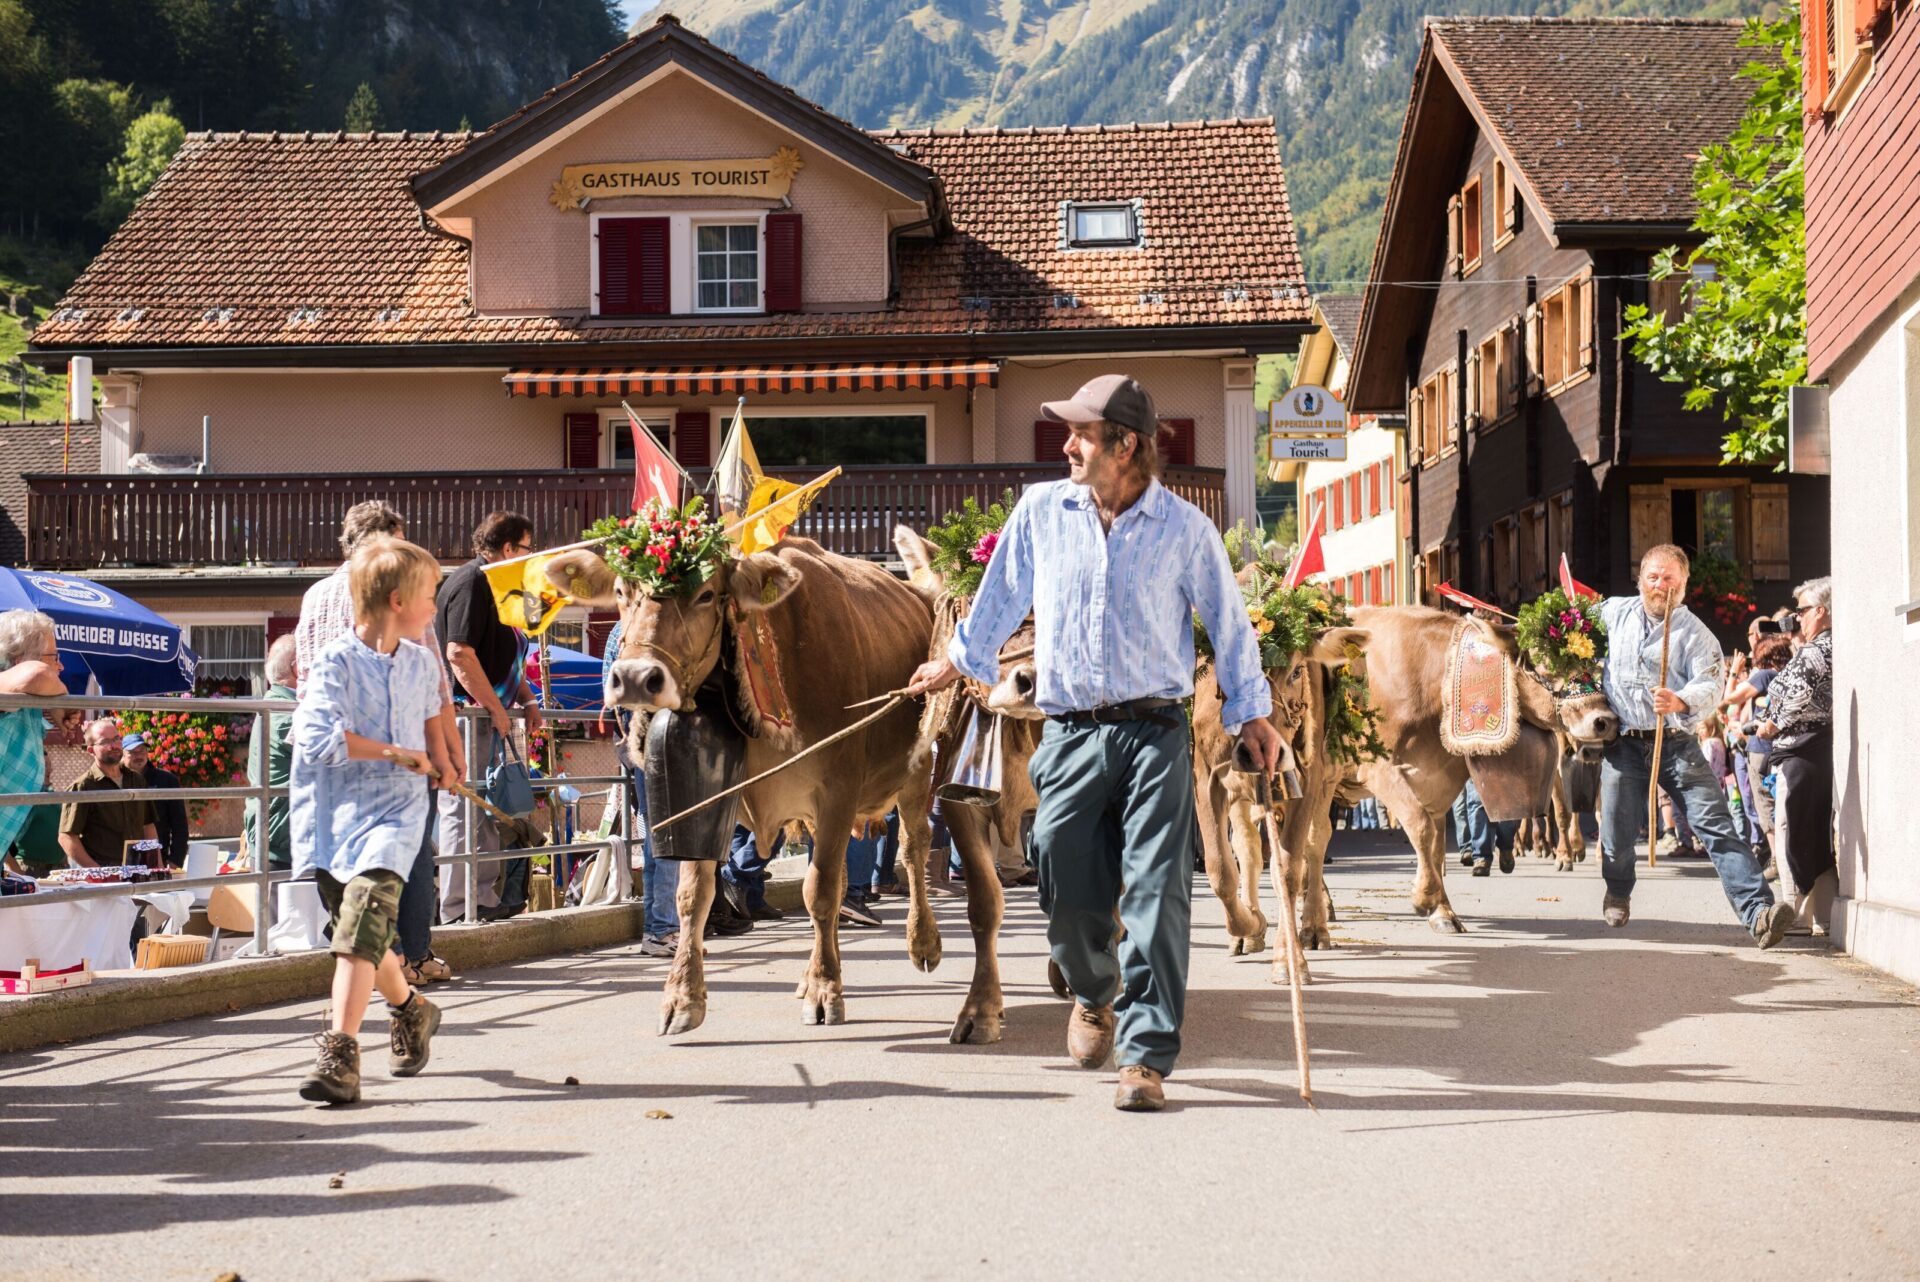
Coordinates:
[1659,735]
[1290,934]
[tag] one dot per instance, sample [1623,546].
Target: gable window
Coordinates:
[1470,226]
[1102,226]
[727,267]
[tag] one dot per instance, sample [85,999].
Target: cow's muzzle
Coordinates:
[642,683]
[1013,695]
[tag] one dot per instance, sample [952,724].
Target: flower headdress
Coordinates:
[1563,639]
[964,542]
[661,550]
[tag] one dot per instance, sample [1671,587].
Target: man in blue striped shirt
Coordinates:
[1113,568]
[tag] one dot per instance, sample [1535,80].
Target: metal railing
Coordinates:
[260,876]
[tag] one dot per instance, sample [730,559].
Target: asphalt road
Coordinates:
[1539,1098]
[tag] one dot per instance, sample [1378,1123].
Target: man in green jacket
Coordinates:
[279,755]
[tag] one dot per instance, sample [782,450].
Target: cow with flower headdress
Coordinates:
[783,644]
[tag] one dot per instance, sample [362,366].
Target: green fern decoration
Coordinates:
[959,537]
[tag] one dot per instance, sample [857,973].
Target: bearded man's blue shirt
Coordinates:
[1113,610]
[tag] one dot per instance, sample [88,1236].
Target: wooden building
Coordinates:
[1542,163]
[1863,341]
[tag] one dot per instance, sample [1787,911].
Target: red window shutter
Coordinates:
[1353,588]
[1339,493]
[583,440]
[1176,440]
[1049,439]
[281,625]
[693,438]
[1375,482]
[783,262]
[633,267]
[1353,496]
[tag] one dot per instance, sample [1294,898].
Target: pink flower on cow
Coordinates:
[983,550]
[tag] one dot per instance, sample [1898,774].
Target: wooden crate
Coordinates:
[157,952]
[30,980]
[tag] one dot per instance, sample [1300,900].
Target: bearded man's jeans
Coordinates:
[1116,826]
[1685,774]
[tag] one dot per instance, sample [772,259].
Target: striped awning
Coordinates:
[747,380]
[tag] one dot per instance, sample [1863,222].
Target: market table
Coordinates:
[60,931]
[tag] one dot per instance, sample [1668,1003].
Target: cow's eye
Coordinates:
[705,597]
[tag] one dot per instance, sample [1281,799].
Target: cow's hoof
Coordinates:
[923,944]
[1247,945]
[1564,863]
[682,1014]
[980,1027]
[1445,922]
[1316,938]
[1057,980]
[822,1002]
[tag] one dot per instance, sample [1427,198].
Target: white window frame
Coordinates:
[691,254]
[226,619]
[613,418]
[722,418]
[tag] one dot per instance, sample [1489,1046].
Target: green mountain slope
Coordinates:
[1334,74]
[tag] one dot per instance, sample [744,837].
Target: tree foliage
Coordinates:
[363,110]
[151,141]
[1741,340]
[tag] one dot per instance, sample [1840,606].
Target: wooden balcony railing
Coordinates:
[86,522]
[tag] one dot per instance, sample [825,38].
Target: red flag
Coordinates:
[655,474]
[1458,597]
[1310,559]
[1573,587]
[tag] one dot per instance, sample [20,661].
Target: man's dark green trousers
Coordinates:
[1116,824]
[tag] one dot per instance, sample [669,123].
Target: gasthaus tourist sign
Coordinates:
[1308,422]
[770,176]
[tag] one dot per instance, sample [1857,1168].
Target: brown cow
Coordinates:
[1418,779]
[854,631]
[1227,800]
[983,1015]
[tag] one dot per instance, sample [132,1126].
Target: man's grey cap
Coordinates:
[1113,397]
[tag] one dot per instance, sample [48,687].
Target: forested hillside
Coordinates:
[1333,73]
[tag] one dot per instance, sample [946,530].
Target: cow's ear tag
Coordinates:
[769,592]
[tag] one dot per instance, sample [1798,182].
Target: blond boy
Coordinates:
[358,813]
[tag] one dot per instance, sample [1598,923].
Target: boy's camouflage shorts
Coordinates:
[365,913]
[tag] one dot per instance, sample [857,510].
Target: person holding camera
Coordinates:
[1800,725]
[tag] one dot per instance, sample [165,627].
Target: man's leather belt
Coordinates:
[1636,734]
[1112,714]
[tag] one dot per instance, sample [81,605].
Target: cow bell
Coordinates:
[970,775]
[691,755]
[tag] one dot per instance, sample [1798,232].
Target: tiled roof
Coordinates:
[301,240]
[1604,116]
[1342,315]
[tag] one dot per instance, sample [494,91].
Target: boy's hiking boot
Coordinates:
[410,1030]
[335,1078]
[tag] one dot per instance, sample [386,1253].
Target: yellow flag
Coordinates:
[737,474]
[775,506]
[523,594]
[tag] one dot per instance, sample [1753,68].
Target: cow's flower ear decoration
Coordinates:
[663,551]
[1563,640]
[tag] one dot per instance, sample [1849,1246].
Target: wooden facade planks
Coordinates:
[1863,197]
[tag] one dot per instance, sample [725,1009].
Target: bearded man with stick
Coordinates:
[1643,630]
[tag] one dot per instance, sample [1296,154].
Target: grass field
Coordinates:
[36,274]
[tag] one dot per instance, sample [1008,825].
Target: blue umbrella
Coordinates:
[576,677]
[124,646]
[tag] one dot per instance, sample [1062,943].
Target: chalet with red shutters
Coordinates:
[1863,343]
[454,321]
[1542,164]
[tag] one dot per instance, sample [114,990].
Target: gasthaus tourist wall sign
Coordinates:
[770,176]
[1308,422]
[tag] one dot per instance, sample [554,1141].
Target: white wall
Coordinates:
[1370,542]
[1875,412]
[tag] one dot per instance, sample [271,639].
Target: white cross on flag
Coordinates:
[655,473]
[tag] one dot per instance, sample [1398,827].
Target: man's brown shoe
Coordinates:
[1090,1035]
[1615,910]
[1140,1090]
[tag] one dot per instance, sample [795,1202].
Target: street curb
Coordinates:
[119,1005]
